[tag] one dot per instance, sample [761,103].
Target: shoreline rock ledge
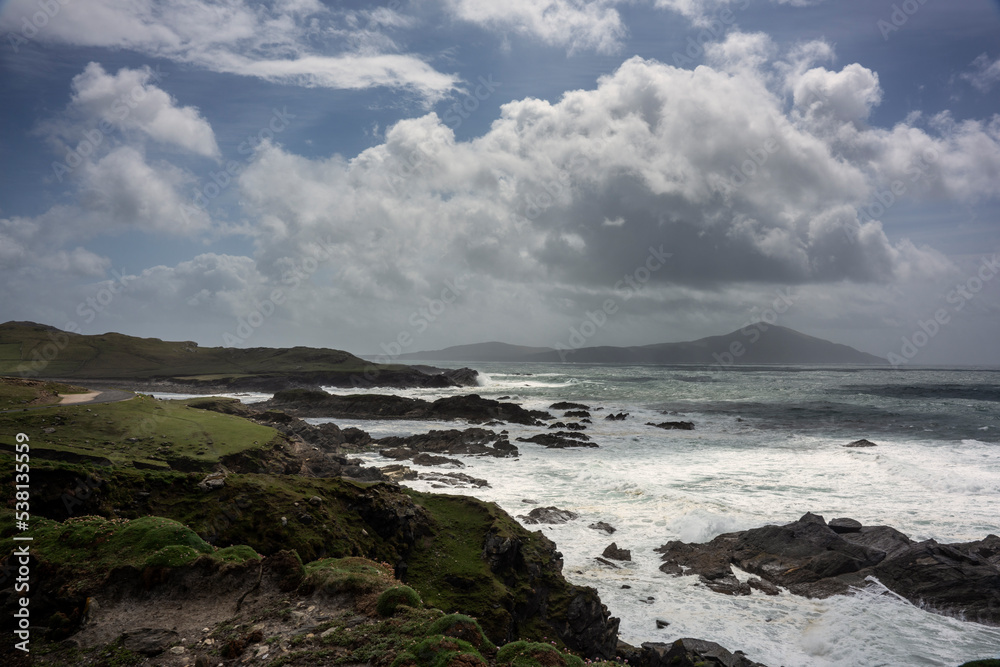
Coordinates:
[815,559]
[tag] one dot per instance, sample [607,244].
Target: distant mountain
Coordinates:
[751,345]
[479,352]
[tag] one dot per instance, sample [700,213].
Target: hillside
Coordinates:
[751,345]
[28,349]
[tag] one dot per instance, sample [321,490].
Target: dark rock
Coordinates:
[471,407]
[614,553]
[462,377]
[563,405]
[454,479]
[550,515]
[306,518]
[425,459]
[398,473]
[398,453]
[607,563]
[660,624]
[681,426]
[765,587]
[471,441]
[693,653]
[845,525]
[810,558]
[861,443]
[149,641]
[616,417]
[559,440]
[577,413]
[600,525]
[727,585]
[557,425]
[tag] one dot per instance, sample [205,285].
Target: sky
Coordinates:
[409,175]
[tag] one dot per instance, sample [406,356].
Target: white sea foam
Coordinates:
[730,474]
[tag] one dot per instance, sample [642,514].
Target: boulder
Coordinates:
[861,443]
[559,440]
[614,553]
[845,525]
[680,426]
[693,653]
[550,515]
[564,405]
[460,480]
[398,473]
[600,525]
[616,417]
[425,459]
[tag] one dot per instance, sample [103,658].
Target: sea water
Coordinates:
[767,447]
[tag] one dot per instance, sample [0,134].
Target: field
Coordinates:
[143,430]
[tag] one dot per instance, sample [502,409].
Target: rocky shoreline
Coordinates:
[303,499]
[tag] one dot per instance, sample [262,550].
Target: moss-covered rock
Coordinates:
[460,554]
[441,651]
[346,575]
[465,628]
[534,654]
[397,596]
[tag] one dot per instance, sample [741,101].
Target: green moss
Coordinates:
[236,554]
[397,596]
[347,575]
[535,654]
[174,555]
[465,628]
[440,651]
[88,548]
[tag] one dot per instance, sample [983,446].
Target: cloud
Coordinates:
[985,73]
[297,43]
[129,102]
[568,197]
[573,24]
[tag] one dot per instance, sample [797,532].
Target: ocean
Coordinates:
[766,449]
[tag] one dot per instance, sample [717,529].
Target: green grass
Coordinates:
[45,352]
[91,547]
[17,392]
[141,429]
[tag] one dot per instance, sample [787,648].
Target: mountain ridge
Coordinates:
[755,344]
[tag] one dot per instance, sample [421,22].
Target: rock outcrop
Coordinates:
[551,515]
[814,559]
[472,407]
